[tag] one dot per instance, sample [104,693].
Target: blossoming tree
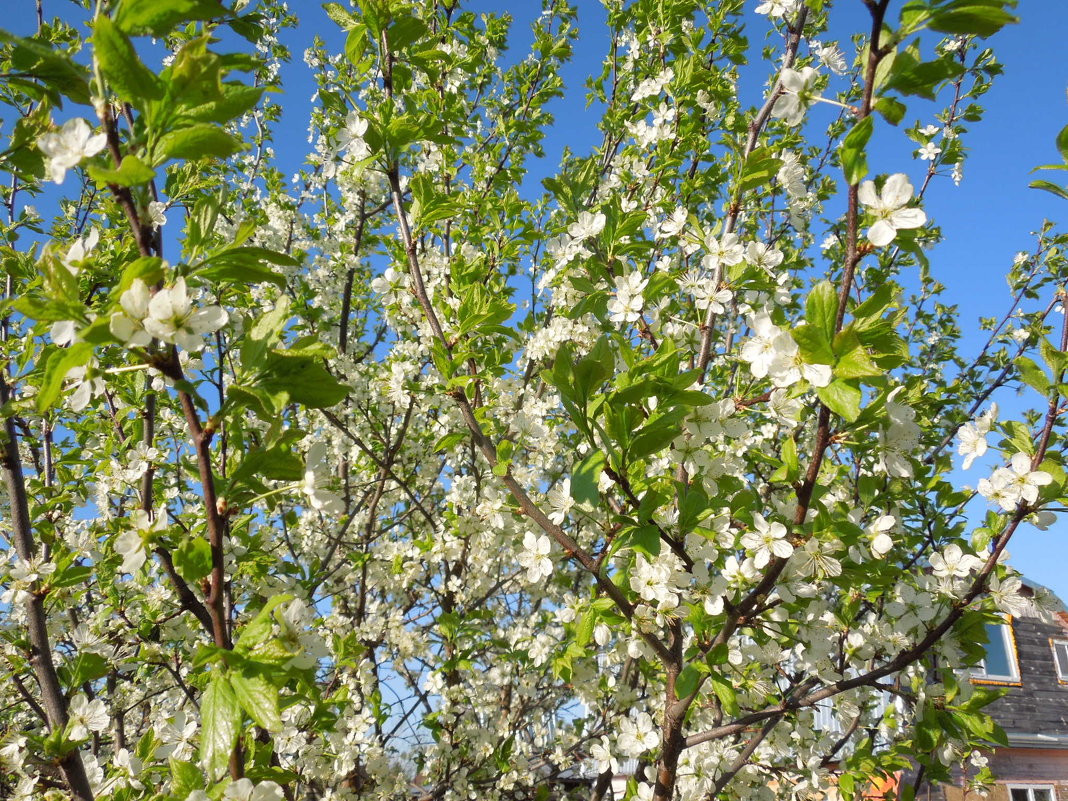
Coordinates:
[407,479]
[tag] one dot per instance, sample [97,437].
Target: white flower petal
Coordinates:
[882,233]
[897,191]
[908,218]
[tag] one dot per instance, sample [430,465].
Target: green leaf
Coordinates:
[689,678]
[259,698]
[56,370]
[237,273]
[821,308]
[724,691]
[584,478]
[263,333]
[195,142]
[814,344]
[971,17]
[132,81]
[758,170]
[842,397]
[258,630]
[49,310]
[654,437]
[356,45]
[185,778]
[85,667]
[910,76]
[235,99]
[221,718]
[643,539]
[1032,375]
[148,268]
[584,631]
[1062,143]
[340,16]
[1057,360]
[159,17]
[248,255]
[71,576]
[505,449]
[131,172]
[192,559]
[277,463]
[893,111]
[50,65]
[304,379]
[449,441]
[847,784]
[1049,186]
[790,460]
[856,364]
[853,155]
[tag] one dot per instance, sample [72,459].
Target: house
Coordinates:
[1029,656]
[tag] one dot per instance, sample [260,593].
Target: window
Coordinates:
[1060,658]
[1000,662]
[1031,792]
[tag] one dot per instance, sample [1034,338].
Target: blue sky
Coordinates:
[985,221]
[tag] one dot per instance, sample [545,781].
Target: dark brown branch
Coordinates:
[53,701]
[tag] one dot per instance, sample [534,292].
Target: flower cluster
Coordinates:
[168,315]
[626,306]
[771,351]
[1018,483]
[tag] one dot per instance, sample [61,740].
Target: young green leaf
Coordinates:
[159,17]
[842,397]
[258,697]
[854,146]
[132,80]
[221,717]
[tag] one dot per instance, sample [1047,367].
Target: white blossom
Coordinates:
[798,93]
[319,498]
[245,790]
[881,541]
[778,8]
[637,734]
[128,325]
[889,208]
[601,753]
[626,306]
[86,716]
[73,142]
[172,318]
[972,436]
[156,213]
[953,562]
[830,56]
[765,541]
[929,151]
[1009,486]
[587,225]
[560,501]
[534,557]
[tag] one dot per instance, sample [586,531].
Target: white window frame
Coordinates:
[1060,665]
[979,672]
[1030,788]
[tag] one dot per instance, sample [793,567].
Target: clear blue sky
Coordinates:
[985,221]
